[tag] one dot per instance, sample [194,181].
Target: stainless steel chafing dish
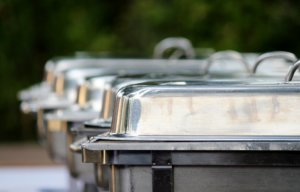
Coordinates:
[186,135]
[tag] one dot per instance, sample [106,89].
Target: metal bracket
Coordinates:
[162,172]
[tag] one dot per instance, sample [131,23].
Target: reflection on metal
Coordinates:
[50,77]
[287,56]
[56,126]
[70,157]
[102,175]
[107,105]
[82,95]
[59,85]
[104,160]
[113,179]
[40,125]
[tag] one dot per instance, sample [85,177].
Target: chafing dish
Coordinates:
[186,135]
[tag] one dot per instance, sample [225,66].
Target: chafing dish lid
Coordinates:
[207,108]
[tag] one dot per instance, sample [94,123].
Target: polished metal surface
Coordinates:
[91,92]
[207,108]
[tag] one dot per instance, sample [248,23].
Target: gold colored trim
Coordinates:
[104,157]
[59,85]
[57,126]
[40,123]
[107,105]
[50,77]
[82,95]
[70,156]
[100,174]
[113,178]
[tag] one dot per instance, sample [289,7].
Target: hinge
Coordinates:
[162,172]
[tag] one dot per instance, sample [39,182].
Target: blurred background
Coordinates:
[33,31]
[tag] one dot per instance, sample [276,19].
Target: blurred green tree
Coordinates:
[35,30]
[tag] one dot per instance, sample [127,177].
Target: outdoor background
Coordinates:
[33,31]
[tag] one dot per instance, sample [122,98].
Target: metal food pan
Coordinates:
[206,165]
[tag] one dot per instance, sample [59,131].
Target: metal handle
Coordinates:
[229,54]
[182,45]
[289,57]
[76,146]
[293,68]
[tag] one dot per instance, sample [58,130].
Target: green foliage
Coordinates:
[35,30]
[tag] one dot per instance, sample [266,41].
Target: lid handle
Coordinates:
[292,70]
[229,54]
[182,46]
[287,56]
